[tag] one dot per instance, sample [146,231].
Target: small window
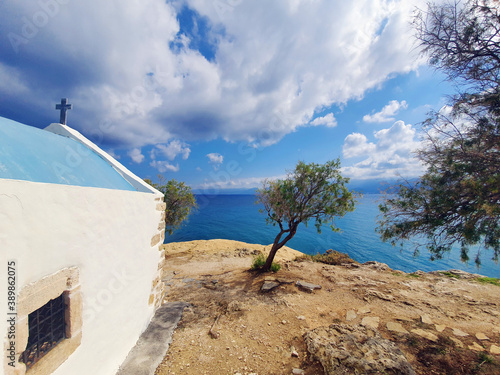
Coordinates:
[47,328]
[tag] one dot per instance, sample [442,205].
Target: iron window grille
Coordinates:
[47,328]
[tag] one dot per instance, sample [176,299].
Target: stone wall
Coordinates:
[158,288]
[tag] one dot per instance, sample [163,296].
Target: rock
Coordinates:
[476,347]
[459,333]
[463,274]
[345,349]
[396,327]
[307,286]
[301,317]
[235,306]
[425,334]
[426,319]
[284,281]
[494,349]
[481,336]
[268,286]
[370,321]
[377,266]
[298,371]
[364,310]
[440,328]
[293,352]
[457,342]
[376,293]
[350,315]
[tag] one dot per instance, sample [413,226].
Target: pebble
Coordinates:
[371,321]
[298,371]
[481,336]
[457,342]
[459,333]
[426,319]
[350,315]
[425,334]
[440,328]
[476,347]
[494,349]
[301,317]
[396,327]
[364,310]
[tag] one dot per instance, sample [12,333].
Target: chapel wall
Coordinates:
[111,237]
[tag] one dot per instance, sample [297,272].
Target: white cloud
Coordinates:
[276,63]
[387,113]
[136,155]
[164,166]
[173,149]
[215,158]
[328,120]
[356,144]
[391,155]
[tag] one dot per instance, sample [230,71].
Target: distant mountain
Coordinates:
[360,186]
[226,192]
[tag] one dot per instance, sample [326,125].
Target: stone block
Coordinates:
[161,206]
[155,240]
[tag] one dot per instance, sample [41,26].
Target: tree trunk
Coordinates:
[276,246]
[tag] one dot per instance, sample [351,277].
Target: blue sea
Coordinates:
[237,217]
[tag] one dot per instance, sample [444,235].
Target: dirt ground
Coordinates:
[234,328]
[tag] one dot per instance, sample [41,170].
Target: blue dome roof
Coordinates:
[32,154]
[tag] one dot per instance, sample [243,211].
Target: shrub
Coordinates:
[260,260]
[331,257]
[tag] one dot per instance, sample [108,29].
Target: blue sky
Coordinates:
[224,93]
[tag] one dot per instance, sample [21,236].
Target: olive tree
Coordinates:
[310,192]
[457,200]
[179,200]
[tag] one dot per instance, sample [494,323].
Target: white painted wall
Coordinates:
[107,235]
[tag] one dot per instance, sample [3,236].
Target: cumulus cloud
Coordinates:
[215,159]
[328,120]
[271,66]
[391,155]
[173,149]
[163,166]
[136,155]
[387,113]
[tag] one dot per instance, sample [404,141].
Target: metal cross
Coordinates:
[64,106]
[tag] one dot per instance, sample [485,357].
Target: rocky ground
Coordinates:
[364,318]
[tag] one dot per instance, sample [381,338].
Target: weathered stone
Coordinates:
[439,327]
[425,334]
[298,371]
[457,342]
[269,285]
[350,315]
[364,310]
[459,333]
[307,286]
[370,321]
[396,327]
[345,349]
[426,319]
[376,293]
[377,266]
[494,349]
[481,336]
[476,347]
[284,281]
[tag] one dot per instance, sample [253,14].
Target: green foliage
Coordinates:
[450,275]
[179,200]
[457,200]
[488,280]
[312,192]
[260,260]
[331,257]
[275,267]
